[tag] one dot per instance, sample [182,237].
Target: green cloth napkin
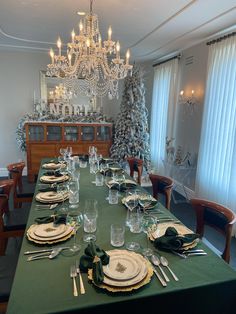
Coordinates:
[171,240]
[53,173]
[94,258]
[48,189]
[57,219]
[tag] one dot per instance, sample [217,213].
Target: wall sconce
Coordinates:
[189,102]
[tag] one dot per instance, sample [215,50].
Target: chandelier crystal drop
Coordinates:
[91,67]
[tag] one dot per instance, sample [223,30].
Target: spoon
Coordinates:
[155,260]
[53,254]
[164,262]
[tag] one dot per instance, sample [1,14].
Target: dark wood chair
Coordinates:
[162,185]
[12,222]
[135,164]
[216,216]
[15,172]
[5,188]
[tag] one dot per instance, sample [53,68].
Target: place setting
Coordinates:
[54,178]
[115,270]
[52,197]
[50,229]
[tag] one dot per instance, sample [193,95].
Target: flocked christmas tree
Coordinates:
[131,138]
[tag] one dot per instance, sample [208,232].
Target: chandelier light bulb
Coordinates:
[81,26]
[59,45]
[109,33]
[52,55]
[73,36]
[127,56]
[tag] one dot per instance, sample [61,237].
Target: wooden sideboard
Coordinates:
[44,139]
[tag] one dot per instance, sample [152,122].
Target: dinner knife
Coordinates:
[45,250]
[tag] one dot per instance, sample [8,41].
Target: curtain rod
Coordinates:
[220,38]
[167,60]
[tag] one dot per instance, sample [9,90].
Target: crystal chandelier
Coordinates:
[91,67]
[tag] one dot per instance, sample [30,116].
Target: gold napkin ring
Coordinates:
[96,259]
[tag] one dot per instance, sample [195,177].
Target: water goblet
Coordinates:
[119,178]
[75,219]
[73,188]
[149,225]
[90,220]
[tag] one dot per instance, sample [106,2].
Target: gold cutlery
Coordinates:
[73,275]
[82,290]
[162,281]
[155,260]
[165,263]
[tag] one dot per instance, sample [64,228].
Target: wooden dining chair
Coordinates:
[12,222]
[216,216]
[135,164]
[5,188]
[162,185]
[19,195]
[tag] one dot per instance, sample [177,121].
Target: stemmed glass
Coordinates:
[62,190]
[119,178]
[133,219]
[75,220]
[90,220]
[149,225]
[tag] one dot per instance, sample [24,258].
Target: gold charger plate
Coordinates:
[122,266]
[53,166]
[126,288]
[50,197]
[181,229]
[48,240]
[49,230]
[52,179]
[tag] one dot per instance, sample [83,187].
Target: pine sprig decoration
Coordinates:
[131,137]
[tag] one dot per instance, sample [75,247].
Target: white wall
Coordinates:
[19,78]
[192,77]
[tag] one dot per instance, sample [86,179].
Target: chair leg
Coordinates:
[3,245]
[3,307]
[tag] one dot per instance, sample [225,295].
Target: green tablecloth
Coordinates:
[206,283]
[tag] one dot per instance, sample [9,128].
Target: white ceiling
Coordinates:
[152,29]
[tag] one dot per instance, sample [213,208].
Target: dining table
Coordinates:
[207,284]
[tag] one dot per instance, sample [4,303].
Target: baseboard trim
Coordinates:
[4,172]
[184,190]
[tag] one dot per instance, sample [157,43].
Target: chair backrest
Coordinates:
[217,216]
[135,164]
[15,172]
[162,185]
[6,186]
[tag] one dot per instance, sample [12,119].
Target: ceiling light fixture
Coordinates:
[91,67]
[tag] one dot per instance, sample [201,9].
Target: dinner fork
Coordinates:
[82,290]
[73,275]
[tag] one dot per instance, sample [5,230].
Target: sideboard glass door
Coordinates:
[53,133]
[87,133]
[36,133]
[103,133]
[71,133]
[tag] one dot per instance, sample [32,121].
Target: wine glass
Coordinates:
[75,219]
[119,178]
[62,190]
[149,225]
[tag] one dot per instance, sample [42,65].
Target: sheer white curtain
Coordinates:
[163,110]
[216,172]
